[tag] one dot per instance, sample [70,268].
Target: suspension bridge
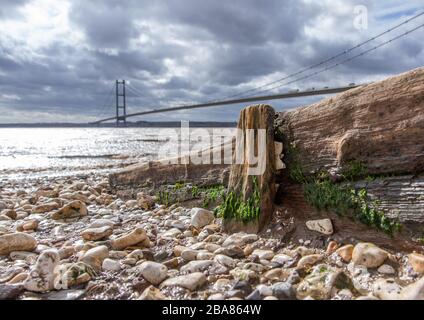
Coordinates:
[257,94]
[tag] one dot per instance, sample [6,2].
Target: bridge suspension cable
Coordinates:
[107,103]
[134,91]
[344,52]
[345,60]
[138,94]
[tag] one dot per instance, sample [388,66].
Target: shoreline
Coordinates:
[180,252]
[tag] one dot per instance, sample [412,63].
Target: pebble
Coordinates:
[153,272]
[65,295]
[204,255]
[255,295]
[293,277]
[320,283]
[274,274]
[28,225]
[283,291]
[263,254]
[10,291]
[136,236]
[4,218]
[231,251]
[9,213]
[216,296]
[95,256]
[235,239]
[344,294]
[23,255]
[195,266]
[145,201]
[332,247]
[387,289]
[191,281]
[200,217]
[414,291]
[369,297]
[16,242]
[74,209]
[345,252]
[111,265]
[42,275]
[66,252]
[416,260]
[46,207]
[323,226]
[171,233]
[3,205]
[303,251]
[243,286]
[282,259]
[136,254]
[368,255]
[20,277]
[189,254]
[131,204]
[98,223]
[254,267]
[225,261]
[240,274]
[75,274]
[212,247]
[152,293]
[94,234]
[386,269]
[264,290]
[310,260]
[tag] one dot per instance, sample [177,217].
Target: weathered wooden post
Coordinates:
[254,141]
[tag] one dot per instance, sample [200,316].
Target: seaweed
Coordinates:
[234,207]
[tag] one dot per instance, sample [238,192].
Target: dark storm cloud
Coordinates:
[178,83]
[8,64]
[178,51]
[126,63]
[8,7]
[106,23]
[243,21]
[240,64]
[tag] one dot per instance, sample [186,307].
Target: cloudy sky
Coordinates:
[59,58]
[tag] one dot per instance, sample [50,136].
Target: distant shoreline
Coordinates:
[141,124]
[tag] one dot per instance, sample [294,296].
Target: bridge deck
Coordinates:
[236,101]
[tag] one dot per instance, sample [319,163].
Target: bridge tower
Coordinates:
[121,104]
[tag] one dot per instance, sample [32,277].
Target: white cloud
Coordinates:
[10,97]
[41,23]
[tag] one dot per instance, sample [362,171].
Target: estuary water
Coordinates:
[42,152]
